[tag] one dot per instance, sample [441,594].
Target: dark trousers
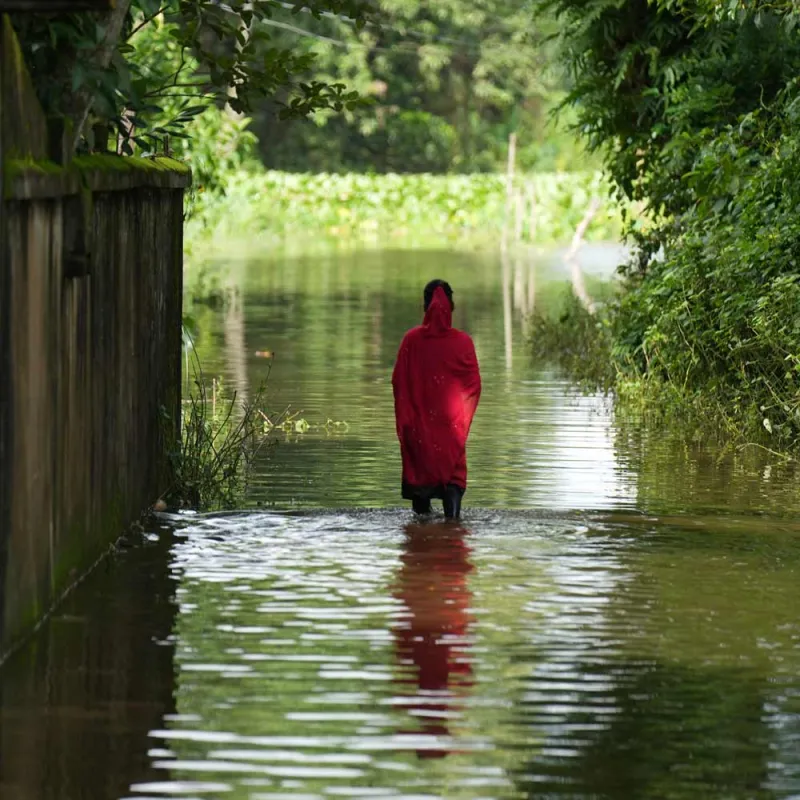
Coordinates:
[451,502]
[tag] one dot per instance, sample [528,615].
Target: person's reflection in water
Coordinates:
[431,641]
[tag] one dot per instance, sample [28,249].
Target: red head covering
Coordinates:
[437,386]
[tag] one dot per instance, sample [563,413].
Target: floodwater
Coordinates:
[615,617]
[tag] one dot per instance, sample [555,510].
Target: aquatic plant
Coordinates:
[291,422]
[399,209]
[212,457]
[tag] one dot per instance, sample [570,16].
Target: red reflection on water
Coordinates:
[431,641]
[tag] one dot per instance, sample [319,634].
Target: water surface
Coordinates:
[615,617]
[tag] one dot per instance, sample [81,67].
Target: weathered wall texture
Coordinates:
[94,360]
[90,343]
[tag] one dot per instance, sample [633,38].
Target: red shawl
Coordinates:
[437,386]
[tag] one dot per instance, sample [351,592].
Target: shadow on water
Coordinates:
[77,702]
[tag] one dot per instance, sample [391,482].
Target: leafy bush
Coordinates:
[719,314]
[696,109]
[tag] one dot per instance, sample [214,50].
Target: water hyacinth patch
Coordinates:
[545,208]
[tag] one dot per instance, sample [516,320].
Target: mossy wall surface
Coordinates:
[90,350]
[93,360]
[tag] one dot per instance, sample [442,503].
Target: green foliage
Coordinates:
[719,313]
[650,82]
[219,438]
[202,53]
[392,85]
[221,144]
[221,140]
[399,208]
[696,109]
[466,75]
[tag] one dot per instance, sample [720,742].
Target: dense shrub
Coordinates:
[720,313]
[696,108]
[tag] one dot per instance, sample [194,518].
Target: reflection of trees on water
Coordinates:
[431,643]
[235,343]
[684,685]
[677,470]
[78,700]
[662,730]
[518,282]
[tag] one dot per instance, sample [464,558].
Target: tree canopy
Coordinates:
[387,85]
[86,65]
[449,81]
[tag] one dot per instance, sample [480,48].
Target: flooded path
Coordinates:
[616,617]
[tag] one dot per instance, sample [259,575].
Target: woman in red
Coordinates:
[437,386]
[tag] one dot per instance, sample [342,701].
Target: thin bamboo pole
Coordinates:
[510,169]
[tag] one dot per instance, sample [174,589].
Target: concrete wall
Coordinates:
[90,343]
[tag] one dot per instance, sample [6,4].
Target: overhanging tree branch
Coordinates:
[147,21]
[82,102]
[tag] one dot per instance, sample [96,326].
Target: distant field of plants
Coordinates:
[396,209]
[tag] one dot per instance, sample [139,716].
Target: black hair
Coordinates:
[432,286]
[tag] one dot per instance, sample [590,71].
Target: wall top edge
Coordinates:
[27,179]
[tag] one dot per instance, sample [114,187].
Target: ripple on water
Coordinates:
[519,654]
